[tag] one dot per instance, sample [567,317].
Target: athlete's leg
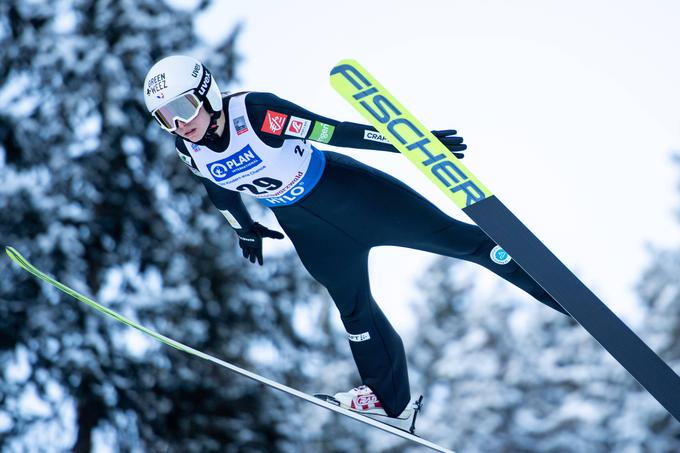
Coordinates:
[486,249]
[340,263]
[385,211]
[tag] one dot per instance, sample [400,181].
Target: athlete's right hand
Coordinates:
[452,142]
[250,241]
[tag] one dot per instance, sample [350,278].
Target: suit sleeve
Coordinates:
[228,202]
[298,122]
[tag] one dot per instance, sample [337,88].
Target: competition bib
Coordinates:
[275,176]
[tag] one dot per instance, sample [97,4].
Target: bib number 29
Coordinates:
[264,184]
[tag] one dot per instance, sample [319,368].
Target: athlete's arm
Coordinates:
[249,233]
[228,202]
[266,111]
[276,119]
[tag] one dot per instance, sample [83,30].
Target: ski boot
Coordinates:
[363,401]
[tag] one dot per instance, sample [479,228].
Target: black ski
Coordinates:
[415,141]
[581,303]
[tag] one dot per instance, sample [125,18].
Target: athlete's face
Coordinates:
[195,129]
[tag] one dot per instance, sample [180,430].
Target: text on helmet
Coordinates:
[156,84]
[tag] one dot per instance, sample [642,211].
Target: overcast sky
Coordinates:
[571,111]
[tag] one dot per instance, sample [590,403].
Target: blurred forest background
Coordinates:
[91,191]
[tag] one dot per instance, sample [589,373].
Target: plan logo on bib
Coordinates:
[274,122]
[241,161]
[298,127]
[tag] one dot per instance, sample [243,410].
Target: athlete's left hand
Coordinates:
[250,241]
[452,142]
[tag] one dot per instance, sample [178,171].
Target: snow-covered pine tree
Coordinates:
[645,424]
[92,192]
[507,374]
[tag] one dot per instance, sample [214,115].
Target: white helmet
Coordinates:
[179,75]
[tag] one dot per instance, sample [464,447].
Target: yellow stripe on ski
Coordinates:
[407,134]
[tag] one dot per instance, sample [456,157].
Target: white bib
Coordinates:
[275,176]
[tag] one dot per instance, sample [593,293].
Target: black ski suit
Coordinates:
[353,208]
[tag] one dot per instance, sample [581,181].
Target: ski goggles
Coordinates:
[184,107]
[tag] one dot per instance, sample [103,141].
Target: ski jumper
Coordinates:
[335,209]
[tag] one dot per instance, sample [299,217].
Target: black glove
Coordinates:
[452,143]
[250,240]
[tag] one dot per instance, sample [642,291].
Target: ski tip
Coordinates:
[14,254]
[10,250]
[11,253]
[343,64]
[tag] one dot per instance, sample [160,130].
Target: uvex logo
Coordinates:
[204,84]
